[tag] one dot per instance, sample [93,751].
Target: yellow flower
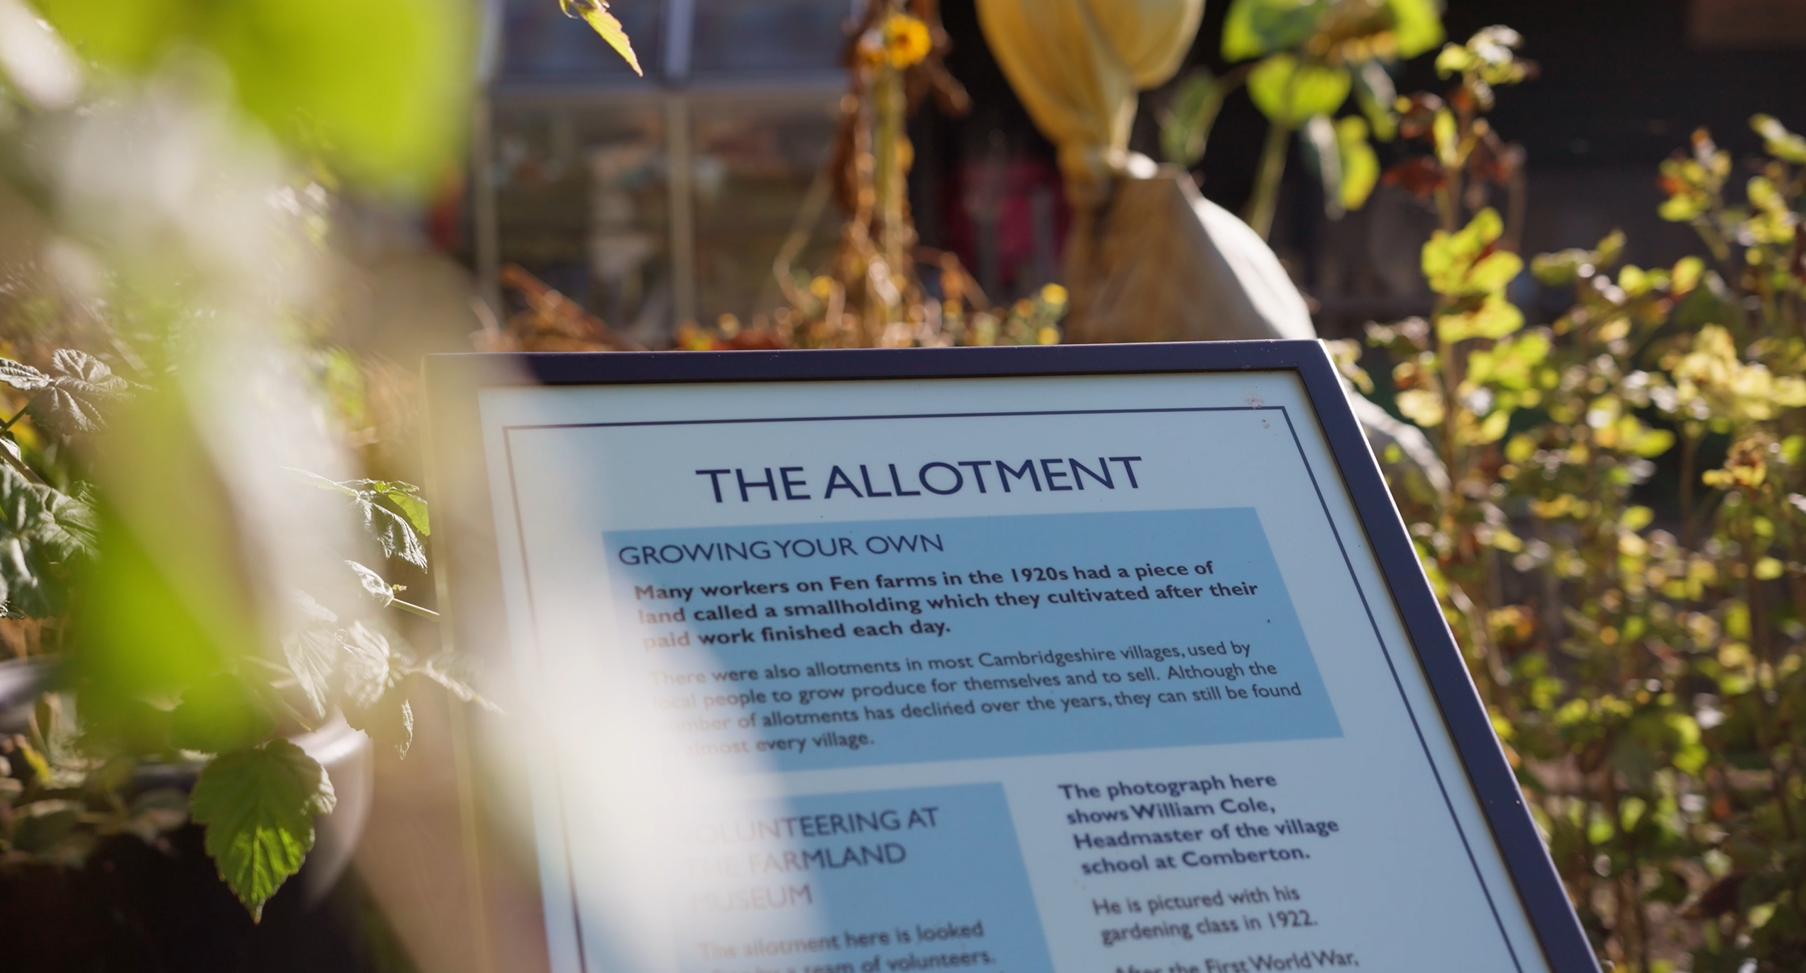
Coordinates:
[906,40]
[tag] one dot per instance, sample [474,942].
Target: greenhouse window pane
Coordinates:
[753,168]
[583,206]
[541,44]
[768,36]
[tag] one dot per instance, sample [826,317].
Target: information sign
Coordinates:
[1046,660]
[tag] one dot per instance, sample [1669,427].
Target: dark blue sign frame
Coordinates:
[469,581]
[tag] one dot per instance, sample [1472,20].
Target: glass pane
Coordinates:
[753,167]
[753,36]
[541,44]
[582,205]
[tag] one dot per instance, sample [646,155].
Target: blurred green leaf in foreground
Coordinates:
[374,87]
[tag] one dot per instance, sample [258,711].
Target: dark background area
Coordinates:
[1623,83]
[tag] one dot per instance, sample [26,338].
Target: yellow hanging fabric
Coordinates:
[1147,258]
[1078,64]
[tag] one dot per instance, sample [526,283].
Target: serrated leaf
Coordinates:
[367,666]
[258,807]
[22,376]
[393,533]
[311,653]
[595,13]
[398,534]
[78,385]
[407,500]
[1289,91]
[389,721]
[45,536]
[219,715]
[373,584]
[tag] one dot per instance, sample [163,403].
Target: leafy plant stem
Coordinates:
[413,609]
[1517,205]
[1266,185]
[8,424]
[889,178]
[1689,446]
[18,464]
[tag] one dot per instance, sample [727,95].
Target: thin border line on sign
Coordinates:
[1329,518]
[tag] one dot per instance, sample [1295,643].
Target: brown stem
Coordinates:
[1689,446]
[19,464]
[1764,651]
[8,424]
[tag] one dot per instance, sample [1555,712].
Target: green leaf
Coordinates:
[398,534]
[78,386]
[389,720]
[1376,95]
[1417,25]
[411,506]
[1444,134]
[1448,257]
[311,654]
[46,537]
[1493,428]
[1186,124]
[373,584]
[367,668]
[1494,271]
[1324,157]
[1686,275]
[219,715]
[1455,59]
[375,86]
[393,534]
[1422,407]
[1289,91]
[21,376]
[1778,141]
[1360,165]
[1509,365]
[1682,208]
[595,13]
[258,806]
[1494,318]
[1563,267]
[1256,27]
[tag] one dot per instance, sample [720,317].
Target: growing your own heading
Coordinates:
[1054,475]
